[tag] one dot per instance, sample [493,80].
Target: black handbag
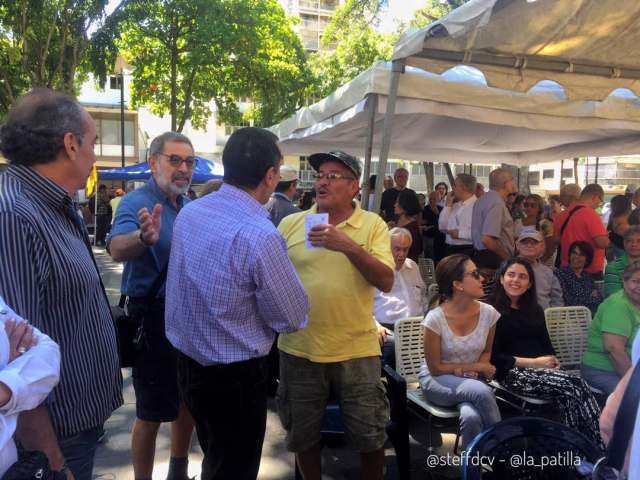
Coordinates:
[32,466]
[129,327]
[610,466]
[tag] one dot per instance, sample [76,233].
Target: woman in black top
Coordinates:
[524,357]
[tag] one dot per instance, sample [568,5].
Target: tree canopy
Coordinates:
[185,53]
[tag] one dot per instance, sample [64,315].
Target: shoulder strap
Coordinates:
[566,222]
[157,283]
[625,422]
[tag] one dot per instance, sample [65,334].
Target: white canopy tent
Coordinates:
[587,46]
[454,117]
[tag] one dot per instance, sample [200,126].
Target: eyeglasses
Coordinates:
[475,274]
[177,160]
[331,176]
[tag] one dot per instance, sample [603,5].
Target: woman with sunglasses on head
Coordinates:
[534,219]
[407,208]
[458,336]
[524,357]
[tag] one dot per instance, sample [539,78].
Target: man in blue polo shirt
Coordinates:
[141,237]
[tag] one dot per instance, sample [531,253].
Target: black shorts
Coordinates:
[155,369]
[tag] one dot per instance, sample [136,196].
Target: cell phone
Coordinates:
[470,375]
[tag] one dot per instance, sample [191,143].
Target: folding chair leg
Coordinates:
[430,448]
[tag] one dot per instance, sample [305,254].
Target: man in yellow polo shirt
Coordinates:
[338,351]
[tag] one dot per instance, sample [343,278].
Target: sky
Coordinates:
[399,10]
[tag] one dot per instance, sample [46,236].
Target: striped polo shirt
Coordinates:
[49,276]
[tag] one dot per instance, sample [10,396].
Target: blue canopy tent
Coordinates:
[204,170]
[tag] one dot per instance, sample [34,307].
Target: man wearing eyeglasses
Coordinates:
[141,237]
[338,352]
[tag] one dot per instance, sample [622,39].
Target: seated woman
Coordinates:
[611,334]
[524,357]
[578,287]
[457,346]
[29,369]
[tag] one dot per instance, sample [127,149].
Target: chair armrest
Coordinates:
[397,393]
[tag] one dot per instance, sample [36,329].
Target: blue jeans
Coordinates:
[475,400]
[79,451]
[605,380]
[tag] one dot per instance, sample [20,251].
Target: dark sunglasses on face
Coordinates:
[475,274]
[177,160]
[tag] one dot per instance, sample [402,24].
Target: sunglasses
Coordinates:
[475,274]
[177,160]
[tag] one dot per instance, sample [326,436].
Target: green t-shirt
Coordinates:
[616,315]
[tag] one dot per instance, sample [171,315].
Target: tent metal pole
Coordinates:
[586,172]
[597,165]
[447,168]
[372,105]
[397,68]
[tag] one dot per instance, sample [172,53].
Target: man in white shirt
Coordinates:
[455,218]
[407,297]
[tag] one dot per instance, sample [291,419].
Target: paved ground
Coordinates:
[339,462]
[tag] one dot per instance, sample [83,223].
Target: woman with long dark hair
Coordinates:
[524,357]
[457,347]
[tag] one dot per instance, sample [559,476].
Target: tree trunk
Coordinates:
[575,170]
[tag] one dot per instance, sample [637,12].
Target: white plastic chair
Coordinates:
[567,327]
[409,348]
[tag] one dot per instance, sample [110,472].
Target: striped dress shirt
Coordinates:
[231,285]
[49,276]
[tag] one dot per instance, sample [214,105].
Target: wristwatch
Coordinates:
[142,240]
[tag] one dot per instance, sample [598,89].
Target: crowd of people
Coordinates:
[225,284]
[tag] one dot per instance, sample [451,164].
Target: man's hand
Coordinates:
[455,233]
[382,334]
[450,199]
[20,336]
[331,238]
[150,224]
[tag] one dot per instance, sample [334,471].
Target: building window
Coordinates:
[115,82]
[534,178]
[567,173]
[548,174]
[109,134]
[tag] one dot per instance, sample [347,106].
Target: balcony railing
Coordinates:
[329,5]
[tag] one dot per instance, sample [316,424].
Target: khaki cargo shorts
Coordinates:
[306,387]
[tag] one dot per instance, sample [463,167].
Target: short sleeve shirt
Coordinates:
[140,274]
[616,315]
[491,217]
[461,349]
[583,225]
[341,325]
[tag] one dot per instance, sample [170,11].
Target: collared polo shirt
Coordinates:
[491,217]
[140,273]
[341,325]
[618,316]
[49,277]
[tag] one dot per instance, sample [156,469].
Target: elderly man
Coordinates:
[49,275]
[614,270]
[389,197]
[338,352]
[455,217]
[407,297]
[491,224]
[228,293]
[569,194]
[281,202]
[581,222]
[141,237]
[531,246]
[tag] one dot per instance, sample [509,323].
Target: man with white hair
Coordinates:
[492,226]
[141,237]
[389,197]
[455,218]
[569,194]
[281,202]
[407,297]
